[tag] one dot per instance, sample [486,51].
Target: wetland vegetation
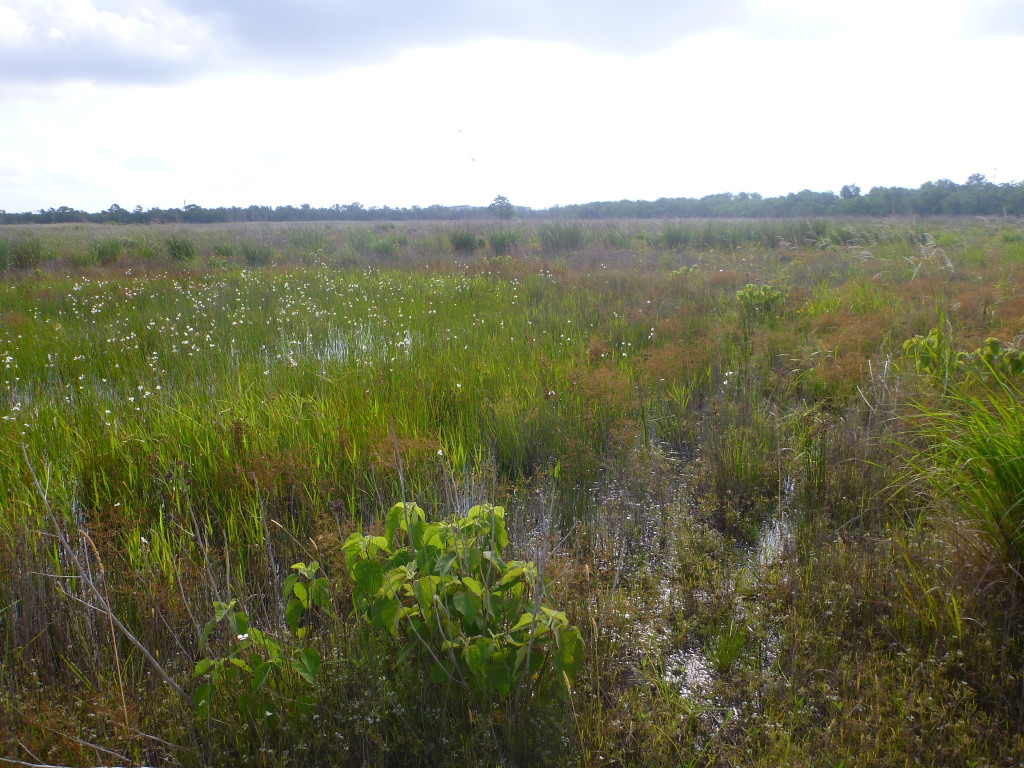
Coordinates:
[761,490]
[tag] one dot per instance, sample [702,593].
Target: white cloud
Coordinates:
[843,99]
[80,40]
[173,40]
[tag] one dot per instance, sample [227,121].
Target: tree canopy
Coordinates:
[976,197]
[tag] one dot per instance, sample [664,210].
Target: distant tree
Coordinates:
[502,208]
[849,192]
[976,178]
[117,214]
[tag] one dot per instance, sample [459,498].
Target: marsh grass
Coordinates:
[561,238]
[974,463]
[504,241]
[199,427]
[181,250]
[464,241]
[256,254]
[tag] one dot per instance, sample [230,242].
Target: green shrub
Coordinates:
[6,257]
[252,675]
[934,356]
[759,303]
[477,620]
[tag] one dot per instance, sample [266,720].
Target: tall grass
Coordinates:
[974,463]
[561,238]
[181,250]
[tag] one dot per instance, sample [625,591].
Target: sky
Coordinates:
[161,103]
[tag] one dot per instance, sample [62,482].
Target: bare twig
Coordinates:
[97,595]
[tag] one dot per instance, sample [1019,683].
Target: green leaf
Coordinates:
[201,698]
[202,666]
[569,651]
[307,663]
[474,586]
[240,623]
[293,614]
[393,521]
[369,576]
[207,629]
[290,582]
[385,613]
[473,657]
[469,605]
[425,588]
[495,558]
[514,570]
[259,675]
[302,593]
[440,672]
[416,530]
[220,610]
[397,560]
[355,547]
[445,563]
[499,675]
[318,593]
[399,517]
[521,654]
[270,648]
[525,621]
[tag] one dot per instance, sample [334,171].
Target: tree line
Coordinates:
[976,197]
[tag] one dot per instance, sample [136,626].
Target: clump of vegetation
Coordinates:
[380,242]
[934,355]
[503,241]
[561,238]
[974,463]
[27,252]
[257,254]
[675,236]
[108,251]
[464,241]
[476,620]
[180,250]
[251,679]
[224,250]
[759,303]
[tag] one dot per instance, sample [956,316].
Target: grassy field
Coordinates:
[772,471]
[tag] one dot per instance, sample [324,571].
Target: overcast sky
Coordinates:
[414,102]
